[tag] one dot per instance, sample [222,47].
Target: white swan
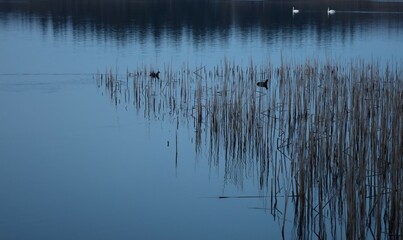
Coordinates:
[330,11]
[294,11]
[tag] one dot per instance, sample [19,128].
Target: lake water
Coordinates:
[81,161]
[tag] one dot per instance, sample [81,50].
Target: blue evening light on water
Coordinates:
[92,147]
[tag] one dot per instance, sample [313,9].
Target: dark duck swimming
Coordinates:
[263,84]
[155,74]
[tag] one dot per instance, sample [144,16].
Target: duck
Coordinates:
[155,74]
[263,84]
[330,11]
[294,11]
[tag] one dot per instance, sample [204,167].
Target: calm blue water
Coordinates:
[75,166]
[69,37]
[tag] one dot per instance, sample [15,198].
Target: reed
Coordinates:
[327,134]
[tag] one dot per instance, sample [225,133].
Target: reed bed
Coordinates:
[324,141]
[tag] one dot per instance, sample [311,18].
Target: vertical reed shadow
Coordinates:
[324,141]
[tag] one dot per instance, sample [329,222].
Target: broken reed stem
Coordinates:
[329,133]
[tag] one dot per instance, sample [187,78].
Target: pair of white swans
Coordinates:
[329,11]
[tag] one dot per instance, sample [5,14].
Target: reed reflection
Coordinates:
[324,142]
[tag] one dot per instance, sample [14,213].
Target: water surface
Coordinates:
[79,161]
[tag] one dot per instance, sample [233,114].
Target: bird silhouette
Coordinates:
[263,84]
[330,11]
[294,11]
[155,74]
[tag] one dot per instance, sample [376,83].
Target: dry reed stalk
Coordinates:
[329,132]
